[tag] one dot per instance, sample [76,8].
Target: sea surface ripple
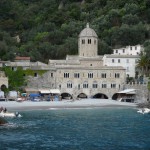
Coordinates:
[77,129]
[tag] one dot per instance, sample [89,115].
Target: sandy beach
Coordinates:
[83,103]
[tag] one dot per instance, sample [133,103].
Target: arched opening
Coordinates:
[100,96]
[115,96]
[3,87]
[66,96]
[127,95]
[82,95]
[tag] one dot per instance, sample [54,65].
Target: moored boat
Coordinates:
[144,110]
[9,114]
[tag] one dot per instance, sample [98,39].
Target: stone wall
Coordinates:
[40,82]
[141,91]
[55,79]
[3,79]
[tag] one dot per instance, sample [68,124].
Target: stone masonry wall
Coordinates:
[40,82]
[141,91]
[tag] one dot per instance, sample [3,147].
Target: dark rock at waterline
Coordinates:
[2,121]
[143,105]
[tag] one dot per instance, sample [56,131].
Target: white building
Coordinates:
[128,50]
[128,62]
[126,57]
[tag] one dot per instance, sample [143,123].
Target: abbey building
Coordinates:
[84,75]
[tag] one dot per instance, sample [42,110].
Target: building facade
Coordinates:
[85,75]
[128,62]
[127,57]
[129,50]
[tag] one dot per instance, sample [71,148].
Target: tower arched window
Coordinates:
[83,41]
[89,41]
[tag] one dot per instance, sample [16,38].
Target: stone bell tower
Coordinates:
[88,42]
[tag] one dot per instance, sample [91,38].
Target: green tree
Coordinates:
[148,86]
[143,64]
[104,48]
[131,8]
[16,79]
[114,17]
[130,19]
[147,48]
[117,23]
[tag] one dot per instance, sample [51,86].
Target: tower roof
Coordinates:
[88,32]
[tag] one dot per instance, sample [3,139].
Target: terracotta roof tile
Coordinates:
[22,58]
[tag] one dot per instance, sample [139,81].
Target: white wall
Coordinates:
[129,63]
[128,50]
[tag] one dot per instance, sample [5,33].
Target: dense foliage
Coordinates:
[16,78]
[49,29]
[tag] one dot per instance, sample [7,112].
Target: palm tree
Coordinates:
[149,90]
[143,64]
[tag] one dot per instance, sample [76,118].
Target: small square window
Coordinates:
[35,74]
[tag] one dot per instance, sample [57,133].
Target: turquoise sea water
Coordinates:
[77,129]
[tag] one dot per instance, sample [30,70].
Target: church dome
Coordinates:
[88,32]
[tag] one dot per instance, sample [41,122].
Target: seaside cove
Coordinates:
[79,124]
[79,128]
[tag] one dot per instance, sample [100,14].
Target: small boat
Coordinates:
[8,114]
[144,110]
[19,99]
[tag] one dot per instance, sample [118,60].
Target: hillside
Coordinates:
[49,29]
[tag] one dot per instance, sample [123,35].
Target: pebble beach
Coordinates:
[83,103]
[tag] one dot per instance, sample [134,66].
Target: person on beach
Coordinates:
[5,110]
[1,109]
[73,98]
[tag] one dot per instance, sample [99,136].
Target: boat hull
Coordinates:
[7,114]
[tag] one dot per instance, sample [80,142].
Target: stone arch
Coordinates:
[115,96]
[66,96]
[3,87]
[100,96]
[82,95]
